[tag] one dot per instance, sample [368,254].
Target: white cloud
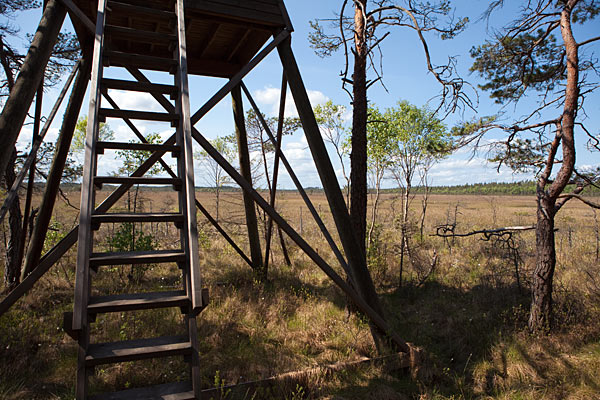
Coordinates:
[127,100]
[269,96]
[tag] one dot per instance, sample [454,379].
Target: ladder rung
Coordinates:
[101,146]
[139,86]
[144,115]
[136,257]
[137,301]
[136,217]
[120,7]
[120,59]
[134,180]
[131,350]
[137,35]
[169,391]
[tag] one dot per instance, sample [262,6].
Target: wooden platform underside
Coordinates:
[222,35]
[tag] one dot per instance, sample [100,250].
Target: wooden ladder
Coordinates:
[192,298]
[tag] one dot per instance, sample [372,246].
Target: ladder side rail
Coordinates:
[85,239]
[187,200]
[187,163]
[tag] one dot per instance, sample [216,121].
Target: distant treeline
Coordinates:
[524,188]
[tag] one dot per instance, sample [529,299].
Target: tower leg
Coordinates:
[244,156]
[29,78]
[38,234]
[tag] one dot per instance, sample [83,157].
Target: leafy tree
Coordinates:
[259,141]
[360,31]
[401,141]
[105,133]
[330,118]
[214,175]
[537,54]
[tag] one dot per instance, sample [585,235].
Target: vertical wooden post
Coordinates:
[357,266]
[56,170]
[36,132]
[245,170]
[30,75]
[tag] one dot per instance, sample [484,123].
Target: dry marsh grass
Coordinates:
[468,313]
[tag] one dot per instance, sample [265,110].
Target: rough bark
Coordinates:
[13,265]
[15,110]
[540,319]
[358,156]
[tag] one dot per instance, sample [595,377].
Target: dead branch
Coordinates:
[442,231]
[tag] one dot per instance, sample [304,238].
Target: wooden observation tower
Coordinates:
[217,38]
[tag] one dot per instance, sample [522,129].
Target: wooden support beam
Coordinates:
[299,186]
[359,272]
[73,9]
[237,78]
[30,75]
[375,317]
[12,194]
[38,235]
[280,122]
[246,171]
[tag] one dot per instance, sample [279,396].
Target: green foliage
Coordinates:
[56,232]
[133,159]
[257,136]
[214,175]
[127,238]
[405,136]
[512,65]
[78,143]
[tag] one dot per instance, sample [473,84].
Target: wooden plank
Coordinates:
[136,217]
[212,34]
[234,12]
[137,35]
[121,59]
[135,180]
[169,391]
[140,12]
[143,115]
[136,147]
[137,301]
[239,44]
[138,86]
[137,257]
[267,8]
[132,350]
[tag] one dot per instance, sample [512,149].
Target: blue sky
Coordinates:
[405,77]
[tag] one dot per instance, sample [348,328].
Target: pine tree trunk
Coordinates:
[540,318]
[541,294]
[358,156]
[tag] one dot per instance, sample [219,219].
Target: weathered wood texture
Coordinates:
[29,78]
[222,35]
[38,234]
